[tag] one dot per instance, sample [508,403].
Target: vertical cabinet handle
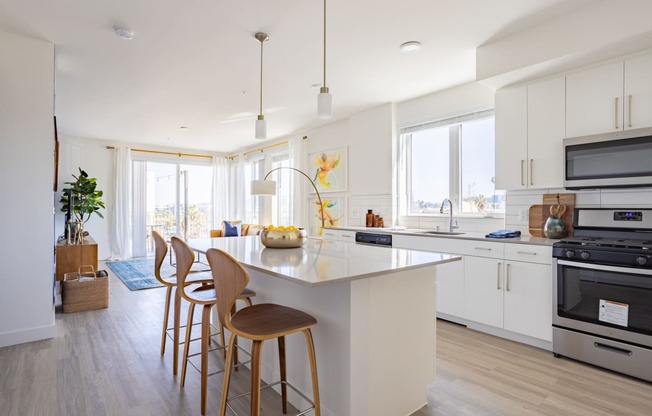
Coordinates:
[629,112]
[531,172]
[498,277]
[522,165]
[616,112]
[507,278]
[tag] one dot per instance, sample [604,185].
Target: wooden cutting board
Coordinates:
[538,214]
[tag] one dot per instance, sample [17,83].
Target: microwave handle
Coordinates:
[604,268]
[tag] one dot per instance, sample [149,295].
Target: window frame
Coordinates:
[455,167]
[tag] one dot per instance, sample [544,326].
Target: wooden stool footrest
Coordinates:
[276,383]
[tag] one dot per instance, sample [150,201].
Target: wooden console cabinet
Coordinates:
[70,256]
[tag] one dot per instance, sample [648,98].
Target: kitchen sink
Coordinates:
[433,232]
[442,232]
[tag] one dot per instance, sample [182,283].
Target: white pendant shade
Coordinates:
[261,129]
[325,105]
[264,187]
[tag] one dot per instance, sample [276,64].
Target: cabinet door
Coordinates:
[450,288]
[528,299]
[638,93]
[483,289]
[450,276]
[511,138]
[546,127]
[329,234]
[346,236]
[594,101]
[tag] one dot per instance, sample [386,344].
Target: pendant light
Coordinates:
[325,99]
[261,124]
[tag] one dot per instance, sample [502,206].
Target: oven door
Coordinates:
[613,302]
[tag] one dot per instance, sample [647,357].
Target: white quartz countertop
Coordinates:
[321,262]
[523,239]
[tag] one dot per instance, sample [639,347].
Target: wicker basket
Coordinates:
[83,290]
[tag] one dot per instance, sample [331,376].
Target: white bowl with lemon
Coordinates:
[283,237]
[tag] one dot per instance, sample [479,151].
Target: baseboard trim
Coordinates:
[28,335]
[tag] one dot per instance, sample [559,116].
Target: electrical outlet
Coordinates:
[522,214]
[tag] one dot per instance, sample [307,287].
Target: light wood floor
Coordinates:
[107,362]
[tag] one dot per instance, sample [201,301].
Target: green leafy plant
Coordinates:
[86,199]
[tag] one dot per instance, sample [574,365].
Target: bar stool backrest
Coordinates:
[185,257]
[160,251]
[230,279]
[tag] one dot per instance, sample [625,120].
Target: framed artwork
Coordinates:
[334,210]
[328,170]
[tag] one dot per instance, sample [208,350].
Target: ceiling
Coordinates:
[196,63]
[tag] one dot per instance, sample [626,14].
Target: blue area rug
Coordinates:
[138,274]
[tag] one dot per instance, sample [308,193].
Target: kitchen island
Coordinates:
[375,339]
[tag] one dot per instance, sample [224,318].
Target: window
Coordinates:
[282,202]
[453,159]
[253,170]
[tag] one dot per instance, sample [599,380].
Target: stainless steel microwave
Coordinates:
[610,160]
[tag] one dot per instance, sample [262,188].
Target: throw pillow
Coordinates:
[231,228]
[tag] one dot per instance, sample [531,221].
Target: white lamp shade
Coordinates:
[263,187]
[261,129]
[325,106]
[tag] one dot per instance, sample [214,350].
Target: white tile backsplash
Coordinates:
[594,198]
[380,204]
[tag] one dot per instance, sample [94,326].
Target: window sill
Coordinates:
[492,216]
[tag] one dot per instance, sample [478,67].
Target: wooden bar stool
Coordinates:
[170,282]
[257,323]
[198,295]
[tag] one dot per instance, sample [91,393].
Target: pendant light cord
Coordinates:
[261,77]
[324,44]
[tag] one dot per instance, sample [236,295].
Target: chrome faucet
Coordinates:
[451,227]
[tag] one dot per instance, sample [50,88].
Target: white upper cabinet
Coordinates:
[530,126]
[638,93]
[546,128]
[511,138]
[594,101]
[610,98]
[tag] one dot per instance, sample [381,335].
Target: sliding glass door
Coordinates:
[173,199]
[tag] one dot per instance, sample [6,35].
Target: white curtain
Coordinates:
[220,191]
[239,202]
[121,234]
[298,210]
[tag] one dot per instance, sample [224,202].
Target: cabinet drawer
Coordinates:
[484,249]
[329,234]
[528,252]
[346,236]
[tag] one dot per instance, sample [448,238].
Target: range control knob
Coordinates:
[641,261]
[570,254]
[585,255]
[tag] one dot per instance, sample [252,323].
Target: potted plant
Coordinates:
[83,199]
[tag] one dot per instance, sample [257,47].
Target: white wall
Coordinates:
[27,169]
[93,157]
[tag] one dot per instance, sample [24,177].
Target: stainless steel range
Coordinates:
[602,278]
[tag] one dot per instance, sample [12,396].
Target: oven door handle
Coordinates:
[602,267]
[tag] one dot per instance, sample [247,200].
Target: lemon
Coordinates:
[271,227]
[280,228]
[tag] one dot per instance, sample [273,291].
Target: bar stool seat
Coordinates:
[257,323]
[268,321]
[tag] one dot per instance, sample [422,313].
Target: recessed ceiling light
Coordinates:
[411,46]
[184,128]
[123,32]
[315,86]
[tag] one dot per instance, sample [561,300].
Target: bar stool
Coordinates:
[257,323]
[170,282]
[199,295]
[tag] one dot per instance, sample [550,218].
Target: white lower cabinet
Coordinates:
[528,299]
[338,235]
[450,276]
[509,293]
[501,285]
[484,290]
